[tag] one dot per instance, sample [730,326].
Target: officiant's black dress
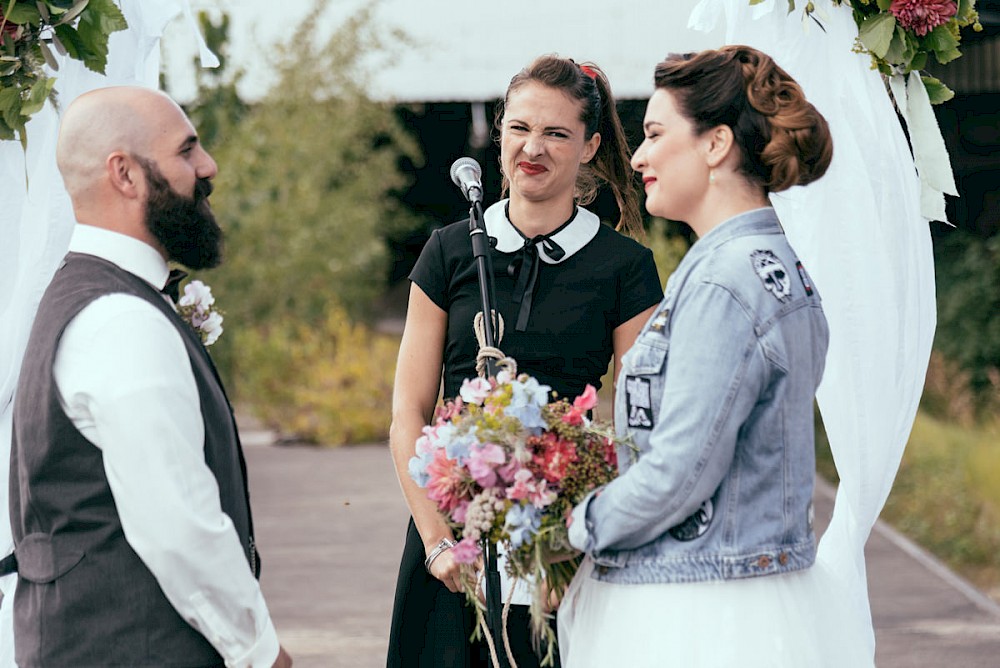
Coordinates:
[573,306]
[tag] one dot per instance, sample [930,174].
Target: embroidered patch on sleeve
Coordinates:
[806,283]
[772,274]
[637,401]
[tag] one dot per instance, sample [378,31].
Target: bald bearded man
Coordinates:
[131,518]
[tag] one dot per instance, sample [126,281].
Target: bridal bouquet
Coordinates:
[504,463]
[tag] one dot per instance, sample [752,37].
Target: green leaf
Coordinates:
[900,49]
[6,132]
[936,90]
[10,106]
[919,61]
[24,13]
[70,40]
[876,33]
[965,7]
[39,94]
[940,39]
[947,56]
[884,5]
[100,20]
[756,2]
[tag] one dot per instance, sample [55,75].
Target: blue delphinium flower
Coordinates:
[418,467]
[526,402]
[522,522]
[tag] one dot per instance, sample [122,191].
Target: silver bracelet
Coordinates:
[445,544]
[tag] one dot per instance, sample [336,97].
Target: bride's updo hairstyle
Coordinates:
[784,141]
[588,85]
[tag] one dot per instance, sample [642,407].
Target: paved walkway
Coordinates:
[330,524]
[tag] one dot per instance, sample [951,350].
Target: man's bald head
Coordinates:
[104,121]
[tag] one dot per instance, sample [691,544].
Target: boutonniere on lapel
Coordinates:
[197,307]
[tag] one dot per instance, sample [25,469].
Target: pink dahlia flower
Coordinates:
[922,16]
[446,485]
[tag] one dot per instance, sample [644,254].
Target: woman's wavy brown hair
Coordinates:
[784,141]
[588,84]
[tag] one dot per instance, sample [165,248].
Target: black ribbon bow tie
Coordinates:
[173,287]
[525,269]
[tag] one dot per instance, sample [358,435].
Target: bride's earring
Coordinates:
[711,176]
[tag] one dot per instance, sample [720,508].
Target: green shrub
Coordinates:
[968,332]
[329,384]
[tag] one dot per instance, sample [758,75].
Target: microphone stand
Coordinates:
[484,266]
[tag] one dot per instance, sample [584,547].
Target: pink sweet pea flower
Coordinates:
[476,390]
[526,487]
[460,511]
[450,410]
[483,461]
[587,400]
[466,551]
[574,417]
[509,470]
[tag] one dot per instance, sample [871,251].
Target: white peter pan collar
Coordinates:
[569,238]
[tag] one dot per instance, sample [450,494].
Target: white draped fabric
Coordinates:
[860,233]
[36,219]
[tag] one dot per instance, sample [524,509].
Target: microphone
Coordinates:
[466,174]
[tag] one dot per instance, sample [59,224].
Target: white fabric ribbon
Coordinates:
[929,151]
[36,219]
[860,232]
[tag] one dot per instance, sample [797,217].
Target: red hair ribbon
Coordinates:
[589,71]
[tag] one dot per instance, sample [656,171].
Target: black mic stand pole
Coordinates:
[484,266]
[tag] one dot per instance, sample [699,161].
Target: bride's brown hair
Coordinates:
[783,140]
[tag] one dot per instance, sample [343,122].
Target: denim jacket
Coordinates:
[716,396]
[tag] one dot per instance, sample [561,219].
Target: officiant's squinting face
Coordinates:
[543,142]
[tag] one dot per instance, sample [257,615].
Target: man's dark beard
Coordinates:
[185,226]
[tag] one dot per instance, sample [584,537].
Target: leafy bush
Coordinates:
[668,249]
[329,384]
[968,273]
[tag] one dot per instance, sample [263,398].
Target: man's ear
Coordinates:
[123,174]
[719,143]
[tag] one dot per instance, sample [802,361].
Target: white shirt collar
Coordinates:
[571,237]
[132,255]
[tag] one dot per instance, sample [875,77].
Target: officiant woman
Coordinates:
[573,294]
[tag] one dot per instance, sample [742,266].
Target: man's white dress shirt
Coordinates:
[125,380]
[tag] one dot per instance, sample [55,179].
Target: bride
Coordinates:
[700,553]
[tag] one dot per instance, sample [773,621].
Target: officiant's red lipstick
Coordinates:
[531,168]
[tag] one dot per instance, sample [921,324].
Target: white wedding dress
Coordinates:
[863,232]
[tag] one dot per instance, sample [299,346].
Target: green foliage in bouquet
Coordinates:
[900,35]
[29,31]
